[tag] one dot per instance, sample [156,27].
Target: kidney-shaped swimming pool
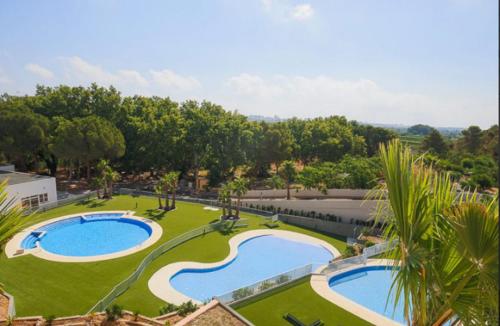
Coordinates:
[257,259]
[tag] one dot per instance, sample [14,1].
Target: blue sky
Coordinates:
[405,62]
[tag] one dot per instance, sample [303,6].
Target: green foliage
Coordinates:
[447,252]
[114,312]
[186,308]
[435,143]
[24,135]
[168,308]
[349,251]
[242,293]
[420,129]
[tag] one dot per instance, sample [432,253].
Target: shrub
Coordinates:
[349,252]
[266,285]
[242,293]
[186,308]
[283,279]
[168,308]
[369,243]
[49,320]
[114,313]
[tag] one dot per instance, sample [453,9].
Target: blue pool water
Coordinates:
[258,258]
[369,287]
[89,235]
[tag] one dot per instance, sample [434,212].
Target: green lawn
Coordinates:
[300,300]
[47,288]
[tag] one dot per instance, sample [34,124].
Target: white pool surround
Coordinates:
[14,247]
[320,284]
[159,283]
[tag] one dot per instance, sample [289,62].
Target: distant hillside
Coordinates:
[263,118]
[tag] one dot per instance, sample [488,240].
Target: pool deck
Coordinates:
[14,249]
[320,284]
[159,283]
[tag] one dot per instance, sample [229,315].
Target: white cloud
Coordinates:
[283,10]
[302,12]
[39,71]
[361,99]
[169,79]
[160,82]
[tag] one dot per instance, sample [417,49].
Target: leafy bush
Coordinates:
[283,279]
[114,313]
[266,285]
[349,252]
[186,308]
[369,243]
[168,308]
[242,293]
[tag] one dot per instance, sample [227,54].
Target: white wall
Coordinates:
[35,187]
[345,208]
[308,194]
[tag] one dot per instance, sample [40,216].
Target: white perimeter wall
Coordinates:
[35,187]
[345,208]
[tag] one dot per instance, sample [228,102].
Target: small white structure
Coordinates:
[29,190]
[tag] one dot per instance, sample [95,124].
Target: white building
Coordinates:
[28,190]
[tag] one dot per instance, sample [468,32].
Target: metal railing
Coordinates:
[170,244]
[360,259]
[61,202]
[260,287]
[378,248]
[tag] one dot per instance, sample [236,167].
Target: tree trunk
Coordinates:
[98,193]
[166,201]
[238,203]
[160,206]
[223,209]
[51,163]
[230,208]
[196,173]
[110,189]
[287,191]
[174,188]
[105,195]
[88,171]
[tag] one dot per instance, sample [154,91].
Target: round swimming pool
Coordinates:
[370,287]
[89,235]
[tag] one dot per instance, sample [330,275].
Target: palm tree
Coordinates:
[447,249]
[11,216]
[159,191]
[224,197]
[173,178]
[165,182]
[288,173]
[97,183]
[101,166]
[239,187]
[110,176]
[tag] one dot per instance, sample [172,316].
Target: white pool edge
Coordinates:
[320,284]
[14,244]
[159,283]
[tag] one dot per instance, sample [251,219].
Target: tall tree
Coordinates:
[88,140]
[23,134]
[435,143]
[239,187]
[288,173]
[471,139]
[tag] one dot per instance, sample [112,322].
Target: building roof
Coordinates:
[18,177]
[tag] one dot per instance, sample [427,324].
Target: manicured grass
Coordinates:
[300,300]
[46,288]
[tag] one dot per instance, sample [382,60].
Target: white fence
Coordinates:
[257,288]
[62,202]
[360,259]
